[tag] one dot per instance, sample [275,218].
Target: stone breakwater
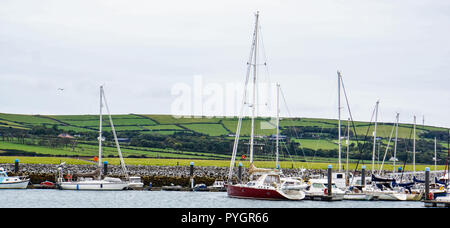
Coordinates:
[156,175]
[160,175]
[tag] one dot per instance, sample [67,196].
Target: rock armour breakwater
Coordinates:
[156,175]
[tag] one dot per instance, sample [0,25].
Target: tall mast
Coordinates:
[339,117]
[348,147]
[435,154]
[252,135]
[375,137]
[396,139]
[414,148]
[100,130]
[278,123]
[241,113]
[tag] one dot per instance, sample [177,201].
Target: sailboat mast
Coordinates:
[375,137]
[278,124]
[252,135]
[348,146]
[435,154]
[241,113]
[414,148]
[396,139]
[100,130]
[339,117]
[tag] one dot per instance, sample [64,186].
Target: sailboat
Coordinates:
[264,183]
[388,188]
[94,180]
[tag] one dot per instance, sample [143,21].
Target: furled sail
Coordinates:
[253,169]
[379,179]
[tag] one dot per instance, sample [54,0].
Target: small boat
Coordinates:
[14,182]
[172,187]
[135,183]
[387,189]
[218,186]
[47,184]
[200,188]
[318,189]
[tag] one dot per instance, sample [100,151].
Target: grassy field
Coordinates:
[211,126]
[168,125]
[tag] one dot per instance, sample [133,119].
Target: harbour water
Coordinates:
[49,198]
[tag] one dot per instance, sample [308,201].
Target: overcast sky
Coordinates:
[395,51]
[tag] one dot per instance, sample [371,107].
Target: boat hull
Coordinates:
[240,191]
[15,185]
[93,186]
[358,196]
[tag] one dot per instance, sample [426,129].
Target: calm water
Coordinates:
[45,198]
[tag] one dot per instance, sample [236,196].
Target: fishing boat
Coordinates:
[263,183]
[95,180]
[14,182]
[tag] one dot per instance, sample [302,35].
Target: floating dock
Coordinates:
[437,203]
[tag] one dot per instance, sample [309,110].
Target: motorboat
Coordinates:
[318,189]
[135,183]
[13,182]
[218,186]
[200,188]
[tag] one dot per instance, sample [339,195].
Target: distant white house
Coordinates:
[65,136]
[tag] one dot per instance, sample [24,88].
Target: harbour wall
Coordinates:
[160,176]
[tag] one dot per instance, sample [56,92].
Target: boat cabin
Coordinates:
[265,180]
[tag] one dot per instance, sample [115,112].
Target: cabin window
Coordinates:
[317,185]
[339,176]
[271,179]
[332,186]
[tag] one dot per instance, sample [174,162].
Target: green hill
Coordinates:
[164,136]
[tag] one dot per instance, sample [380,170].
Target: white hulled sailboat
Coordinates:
[94,181]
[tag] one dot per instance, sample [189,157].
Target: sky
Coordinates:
[146,53]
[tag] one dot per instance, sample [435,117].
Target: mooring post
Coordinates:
[330,182]
[240,173]
[427,183]
[363,176]
[16,166]
[105,168]
[192,175]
